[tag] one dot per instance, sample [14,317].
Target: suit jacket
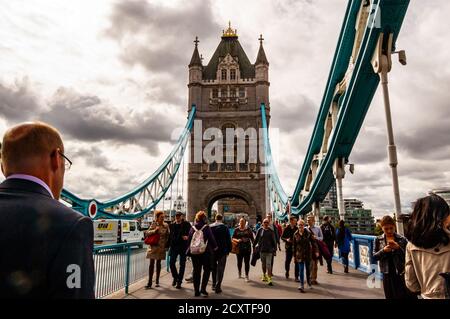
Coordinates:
[222,237]
[46,247]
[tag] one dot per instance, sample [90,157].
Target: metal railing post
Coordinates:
[127,271]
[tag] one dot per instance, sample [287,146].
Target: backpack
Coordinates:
[198,244]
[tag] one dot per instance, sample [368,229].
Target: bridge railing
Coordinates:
[361,254]
[118,266]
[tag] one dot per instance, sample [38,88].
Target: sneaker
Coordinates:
[240,276]
[287,274]
[264,278]
[269,281]
[178,286]
[247,279]
[174,283]
[310,286]
[204,293]
[149,286]
[218,290]
[301,288]
[157,285]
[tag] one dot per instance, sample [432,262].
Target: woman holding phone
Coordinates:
[389,250]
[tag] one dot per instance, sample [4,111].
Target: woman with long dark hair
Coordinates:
[343,238]
[428,250]
[389,251]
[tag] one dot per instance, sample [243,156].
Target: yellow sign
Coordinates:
[126,227]
[104,226]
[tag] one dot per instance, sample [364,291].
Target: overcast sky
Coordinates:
[112,76]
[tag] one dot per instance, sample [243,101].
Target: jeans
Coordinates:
[302,266]
[200,262]
[174,253]
[287,264]
[246,259]
[218,269]
[266,263]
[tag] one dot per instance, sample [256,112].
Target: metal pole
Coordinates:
[392,150]
[339,174]
[127,272]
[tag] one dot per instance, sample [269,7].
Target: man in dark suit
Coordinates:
[46,247]
[223,239]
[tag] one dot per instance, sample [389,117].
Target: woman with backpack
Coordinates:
[202,245]
[157,250]
[244,235]
[343,238]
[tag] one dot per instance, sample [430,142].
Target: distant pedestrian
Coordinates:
[178,240]
[223,239]
[257,226]
[288,238]
[202,245]
[266,243]
[389,251]
[329,237]
[245,237]
[343,239]
[303,247]
[44,244]
[157,252]
[276,233]
[428,250]
[318,236]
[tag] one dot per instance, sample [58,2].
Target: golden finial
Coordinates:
[230,33]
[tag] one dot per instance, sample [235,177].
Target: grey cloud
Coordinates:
[301,116]
[18,102]
[86,118]
[93,156]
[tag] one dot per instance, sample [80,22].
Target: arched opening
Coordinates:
[231,205]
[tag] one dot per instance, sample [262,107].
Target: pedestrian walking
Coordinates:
[288,238]
[266,243]
[157,252]
[202,245]
[303,247]
[389,251]
[329,237]
[178,241]
[317,235]
[245,239]
[428,249]
[343,238]
[223,239]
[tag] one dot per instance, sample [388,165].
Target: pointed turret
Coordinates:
[196,60]
[261,58]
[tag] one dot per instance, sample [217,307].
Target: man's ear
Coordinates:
[55,160]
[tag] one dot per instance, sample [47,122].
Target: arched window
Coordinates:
[224,74]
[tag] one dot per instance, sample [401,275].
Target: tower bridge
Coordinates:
[231,92]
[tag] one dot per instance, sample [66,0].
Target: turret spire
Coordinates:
[196,60]
[261,58]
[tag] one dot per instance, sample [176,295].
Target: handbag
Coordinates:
[152,240]
[235,246]
[255,256]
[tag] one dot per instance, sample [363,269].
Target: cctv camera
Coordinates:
[402,57]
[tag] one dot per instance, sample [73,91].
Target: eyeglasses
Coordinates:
[68,162]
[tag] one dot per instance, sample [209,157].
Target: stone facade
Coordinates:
[227,93]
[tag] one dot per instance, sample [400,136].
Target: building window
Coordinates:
[223,92]
[224,74]
[242,92]
[215,93]
[213,167]
[233,74]
[233,92]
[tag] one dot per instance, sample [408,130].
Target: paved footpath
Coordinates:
[338,285]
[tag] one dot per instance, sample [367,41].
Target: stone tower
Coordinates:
[227,93]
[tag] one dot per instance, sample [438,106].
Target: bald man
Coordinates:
[45,246]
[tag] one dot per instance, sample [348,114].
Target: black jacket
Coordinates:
[42,243]
[329,233]
[289,232]
[265,240]
[398,256]
[177,231]
[223,238]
